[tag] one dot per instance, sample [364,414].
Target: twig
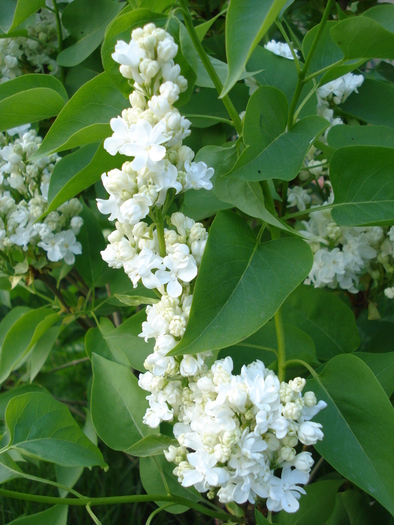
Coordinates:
[68,365]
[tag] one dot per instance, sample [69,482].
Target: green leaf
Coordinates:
[255,18]
[203,28]
[260,518]
[85,118]
[354,508]
[245,195]
[135,300]
[90,264]
[316,506]
[42,327]
[235,275]
[151,446]
[201,204]
[340,136]
[8,468]
[42,427]
[276,71]
[323,316]
[221,68]
[77,171]
[54,516]
[118,404]
[263,345]
[283,158]
[23,9]
[120,344]
[18,340]
[374,103]
[382,365]
[155,5]
[358,428]
[12,316]
[124,340]
[363,185]
[248,197]
[157,478]
[5,397]
[29,98]
[87,26]
[204,109]
[265,133]
[41,350]
[327,53]
[68,476]
[377,23]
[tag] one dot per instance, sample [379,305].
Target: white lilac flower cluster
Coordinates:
[23,199]
[151,131]
[350,258]
[234,431]
[21,55]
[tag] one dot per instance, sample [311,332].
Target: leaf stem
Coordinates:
[323,70]
[308,211]
[160,233]
[280,335]
[115,500]
[290,44]
[303,363]
[209,67]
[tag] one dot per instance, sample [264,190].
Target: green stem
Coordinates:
[280,335]
[323,70]
[160,233]
[307,212]
[31,289]
[302,74]
[289,43]
[283,208]
[303,363]
[258,347]
[93,515]
[156,512]
[59,36]
[116,500]
[209,67]
[268,200]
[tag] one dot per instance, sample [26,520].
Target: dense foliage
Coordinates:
[197,262]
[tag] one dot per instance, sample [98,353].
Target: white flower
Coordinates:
[167,49]
[145,145]
[181,265]
[299,197]
[128,54]
[62,245]
[203,471]
[280,49]
[165,180]
[198,176]
[285,492]
[135,209]
[140,268]
[309,433]
[120,137]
